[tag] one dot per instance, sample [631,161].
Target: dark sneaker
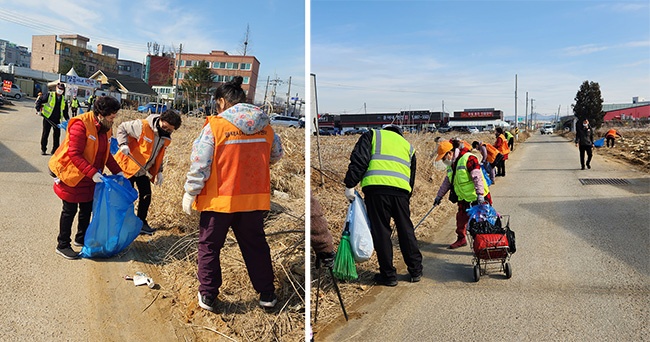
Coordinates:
[207,302]
[67,253]
[78,243]
[268,300]
[383,280]
[416,278]
[588,166]
[146,229]
[43,153]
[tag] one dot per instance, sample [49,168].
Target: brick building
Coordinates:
[50,53]
[224,67]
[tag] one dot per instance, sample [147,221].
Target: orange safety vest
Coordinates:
[141,151]
[492,152]
[61,164]
[240,178]
[504,148]
[611,133]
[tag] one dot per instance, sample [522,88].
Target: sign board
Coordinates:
[6,86]
[80,81]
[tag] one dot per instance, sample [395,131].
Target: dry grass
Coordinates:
[335,152]
[174,249]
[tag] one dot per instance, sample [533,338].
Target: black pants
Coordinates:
[380,210]
[501,168]
[47,126]
[583,149]
[144,195]
[67,218]
[249,232]
[610,139]
[74,111]
[511,144]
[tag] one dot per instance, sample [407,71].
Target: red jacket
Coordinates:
[84,191]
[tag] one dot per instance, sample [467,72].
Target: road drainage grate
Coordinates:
[599,181]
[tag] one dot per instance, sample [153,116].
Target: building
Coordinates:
[53,54]
[414,120]
[638,109]
[159,70]
[11,53]
[481,118]
[134,91]
[223,67]
[130,68]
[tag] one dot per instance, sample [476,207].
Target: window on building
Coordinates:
[246,80]
[66,50]
[229,65]
[235,66]
[244,66]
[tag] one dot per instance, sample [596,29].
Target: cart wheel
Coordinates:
[477,272]
[508,270]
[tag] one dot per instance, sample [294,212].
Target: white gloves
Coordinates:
[125,150]
[159,179]
[97,177]
[349,194]
[121,173]
[481,200]
[187,203]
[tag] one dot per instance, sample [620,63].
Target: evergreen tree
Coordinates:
[198,81]
[589,104]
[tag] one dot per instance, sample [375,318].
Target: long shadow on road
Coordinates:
[608,229]
[11,162]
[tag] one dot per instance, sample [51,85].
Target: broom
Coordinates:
[344,265]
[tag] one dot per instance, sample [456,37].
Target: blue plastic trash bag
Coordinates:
[600,142]
[63,125]
[114,146]
[483,212]
[114,225]
[360,238]
[488,180]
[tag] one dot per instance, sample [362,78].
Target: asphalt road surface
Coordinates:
[581,271]
[43,296]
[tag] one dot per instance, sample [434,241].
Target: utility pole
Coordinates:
[268,78]
[178,71]
[526,117]
[531,111]
[516,122]
[364,108]
[557,118]
[286,109]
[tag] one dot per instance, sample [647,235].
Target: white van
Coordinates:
[15,92]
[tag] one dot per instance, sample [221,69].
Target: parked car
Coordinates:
[547,129]
[15,92]
[472,130]
[152,107]
[326,131]
[444,129]
[356,131]
[286,121]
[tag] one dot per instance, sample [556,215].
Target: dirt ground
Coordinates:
[172,251]
[329,171]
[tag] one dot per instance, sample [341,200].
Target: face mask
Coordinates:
[59,92]
[105,125]
[585,125]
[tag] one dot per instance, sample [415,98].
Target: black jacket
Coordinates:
[56,111]
[359,161]
[584,136]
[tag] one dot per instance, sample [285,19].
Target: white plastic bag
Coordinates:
[360,238]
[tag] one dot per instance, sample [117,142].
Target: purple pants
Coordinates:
[249,232]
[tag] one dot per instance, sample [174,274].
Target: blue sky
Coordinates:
[401,55]
[277,29]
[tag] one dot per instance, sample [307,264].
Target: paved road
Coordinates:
[43,296]
[581,272]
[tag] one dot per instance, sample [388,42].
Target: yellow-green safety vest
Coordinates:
[48,107]
[463,183]
[509,135]
[75,103]
[390,163]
